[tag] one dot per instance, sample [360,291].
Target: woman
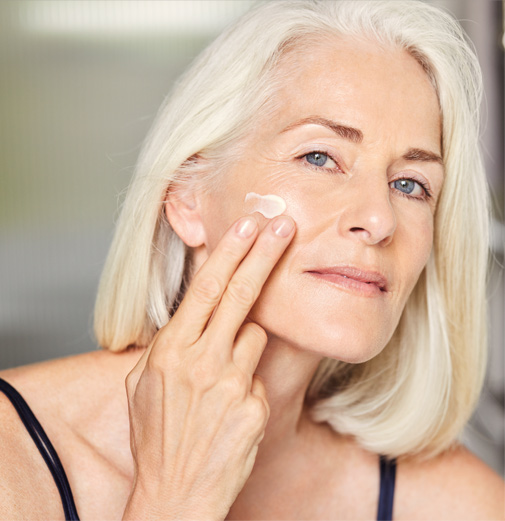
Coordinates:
[274,363]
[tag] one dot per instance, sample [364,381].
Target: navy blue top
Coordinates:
[387,489]
[46,449]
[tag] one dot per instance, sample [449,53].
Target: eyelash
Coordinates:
[423,185]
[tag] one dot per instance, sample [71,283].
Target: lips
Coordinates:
[365,281]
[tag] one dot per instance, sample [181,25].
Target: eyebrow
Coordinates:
[418,154]
[356,136]
[349,133]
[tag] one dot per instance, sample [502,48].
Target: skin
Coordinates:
[215,404]
[352,218]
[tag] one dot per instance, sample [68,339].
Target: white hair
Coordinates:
[418,393]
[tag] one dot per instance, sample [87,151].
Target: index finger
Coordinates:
[210,281]
[247,282]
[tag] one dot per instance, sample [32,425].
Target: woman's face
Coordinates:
[359,197]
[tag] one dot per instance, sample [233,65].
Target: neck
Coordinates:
[286,372]
[292,441]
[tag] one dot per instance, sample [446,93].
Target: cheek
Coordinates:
[307,195]
[313,319]
[311,198]
[215,223]
[414,238]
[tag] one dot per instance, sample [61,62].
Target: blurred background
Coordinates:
[80,83]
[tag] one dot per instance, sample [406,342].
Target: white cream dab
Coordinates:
[269,205]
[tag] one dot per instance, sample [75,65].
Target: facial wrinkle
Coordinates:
[278,178]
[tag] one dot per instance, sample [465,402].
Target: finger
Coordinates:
[135,374]
[249,346]
[258,389]
[209,283]
[247,282]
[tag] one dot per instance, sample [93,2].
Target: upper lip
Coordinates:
[359,274]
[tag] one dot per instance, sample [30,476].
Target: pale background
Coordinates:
[80,83]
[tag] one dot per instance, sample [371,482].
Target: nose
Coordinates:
[368,215]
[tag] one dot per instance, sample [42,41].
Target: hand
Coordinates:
[197,410]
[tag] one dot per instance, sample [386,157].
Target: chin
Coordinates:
[346,346]
[351,341]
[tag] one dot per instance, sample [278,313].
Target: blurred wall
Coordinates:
[79,87]
[80,84]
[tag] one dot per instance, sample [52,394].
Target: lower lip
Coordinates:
[355,286]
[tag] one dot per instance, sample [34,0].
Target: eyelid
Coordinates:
[425,184]
[324,149]
[427,194]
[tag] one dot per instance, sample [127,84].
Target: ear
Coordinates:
[183,211]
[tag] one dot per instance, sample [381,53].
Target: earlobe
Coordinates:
[183,212]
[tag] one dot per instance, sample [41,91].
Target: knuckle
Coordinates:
[166,334]
[266,406]
[161,360]
[202,373]
[206,288]
[243,292]
[258,332]
[236,384]
[259,411]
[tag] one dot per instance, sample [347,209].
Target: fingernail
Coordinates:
[283,226]
[245,227]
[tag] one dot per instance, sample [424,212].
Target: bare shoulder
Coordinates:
[80,402]
[25,481]
[456,485]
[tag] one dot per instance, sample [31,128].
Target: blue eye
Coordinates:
[317,158]
[321,161]
[405,185]
[411,188]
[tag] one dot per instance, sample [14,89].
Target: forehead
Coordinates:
[382,90]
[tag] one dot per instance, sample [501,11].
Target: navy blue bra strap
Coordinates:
[387,489]
[45,447]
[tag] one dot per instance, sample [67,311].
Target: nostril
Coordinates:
[361,231]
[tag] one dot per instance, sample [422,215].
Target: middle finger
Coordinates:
[245,285]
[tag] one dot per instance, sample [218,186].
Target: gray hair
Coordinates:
[417,394]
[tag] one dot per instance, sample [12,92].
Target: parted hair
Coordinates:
[415,397]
